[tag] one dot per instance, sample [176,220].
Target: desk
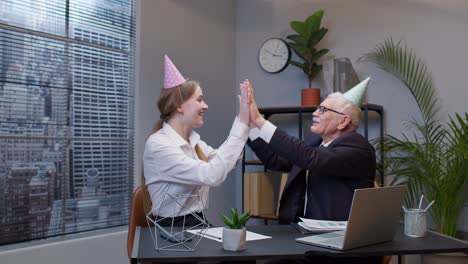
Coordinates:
[282,245]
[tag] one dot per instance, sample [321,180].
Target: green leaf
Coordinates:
[299,27]
[235,217]
[226,220]
[313,22]
[314,71]
[316,36]
[318,54]
[244,218]
[298,39]
[297,64]
[301,51]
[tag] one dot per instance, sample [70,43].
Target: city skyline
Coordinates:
[65,119]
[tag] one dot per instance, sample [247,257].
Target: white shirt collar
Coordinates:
[323,144]
[194,137]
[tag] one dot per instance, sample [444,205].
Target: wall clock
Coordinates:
[274,55]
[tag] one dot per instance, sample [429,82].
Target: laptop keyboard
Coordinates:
[336,242]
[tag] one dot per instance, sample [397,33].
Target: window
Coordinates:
[66,116]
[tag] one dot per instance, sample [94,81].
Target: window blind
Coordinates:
[67,87]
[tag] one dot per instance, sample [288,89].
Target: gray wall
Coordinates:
[216,42]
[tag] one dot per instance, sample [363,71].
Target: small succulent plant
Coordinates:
[237,222]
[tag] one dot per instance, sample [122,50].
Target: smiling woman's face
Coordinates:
[194,109]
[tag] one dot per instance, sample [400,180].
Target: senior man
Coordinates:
[325,170]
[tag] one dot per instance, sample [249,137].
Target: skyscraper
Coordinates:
[100,102]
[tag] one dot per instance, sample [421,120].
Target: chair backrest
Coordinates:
[137,218]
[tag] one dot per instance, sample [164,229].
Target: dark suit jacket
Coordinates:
[348,163]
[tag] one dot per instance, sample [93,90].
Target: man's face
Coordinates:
[326,123]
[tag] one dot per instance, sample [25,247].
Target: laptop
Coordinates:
[374,217]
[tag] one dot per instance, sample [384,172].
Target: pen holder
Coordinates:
[415,222]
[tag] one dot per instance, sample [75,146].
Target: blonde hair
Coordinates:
[168,102]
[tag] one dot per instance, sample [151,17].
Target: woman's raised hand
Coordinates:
[256,119]
[244,104]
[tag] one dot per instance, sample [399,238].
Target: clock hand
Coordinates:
[274,54]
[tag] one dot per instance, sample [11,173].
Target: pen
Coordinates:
[420,201]
[429,206]
[212,236]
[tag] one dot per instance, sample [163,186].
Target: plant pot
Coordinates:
[234,239]
[310,97]
[444,258]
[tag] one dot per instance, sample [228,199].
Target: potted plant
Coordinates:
[234,233]
[309,34]
[430,157]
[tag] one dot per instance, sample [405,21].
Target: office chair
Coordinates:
[137,218]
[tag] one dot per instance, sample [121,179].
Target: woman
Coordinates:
[178,166]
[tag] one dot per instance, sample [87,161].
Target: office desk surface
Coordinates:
[283,245]
[402,245]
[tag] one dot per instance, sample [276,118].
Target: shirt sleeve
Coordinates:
[267,131]
[167,162]
[254,133]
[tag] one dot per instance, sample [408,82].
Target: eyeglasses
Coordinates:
[322,109]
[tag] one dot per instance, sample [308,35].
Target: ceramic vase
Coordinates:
[310,97]
[234,239]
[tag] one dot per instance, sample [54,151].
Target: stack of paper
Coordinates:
[322,225]
[216,233]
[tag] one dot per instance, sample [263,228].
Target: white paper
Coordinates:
[316,230]
[323,224]
[216,233]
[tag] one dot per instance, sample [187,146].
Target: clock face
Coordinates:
[274,55]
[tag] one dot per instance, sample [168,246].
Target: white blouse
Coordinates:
[171,166]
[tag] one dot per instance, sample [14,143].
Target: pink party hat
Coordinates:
[172,76]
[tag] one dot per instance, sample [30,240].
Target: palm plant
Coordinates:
[431,157]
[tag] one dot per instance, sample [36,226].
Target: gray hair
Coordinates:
[347,107]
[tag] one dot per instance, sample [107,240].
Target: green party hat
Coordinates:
[356,94]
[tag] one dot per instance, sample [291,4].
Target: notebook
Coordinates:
[374,217]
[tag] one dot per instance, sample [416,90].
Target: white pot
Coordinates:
[234,239]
